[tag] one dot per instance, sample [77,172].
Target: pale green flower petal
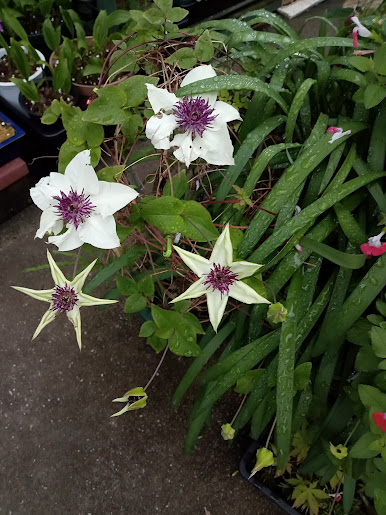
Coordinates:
[87,300]
[57,274]
[244,293]
[78,282]
[123,410]
[74,317]
[47,318]
[44,295]
[244,268]
[195,290]
[216,307]
[222,251]
[196,263]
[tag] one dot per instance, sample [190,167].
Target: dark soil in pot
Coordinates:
[8,71]
[47,96]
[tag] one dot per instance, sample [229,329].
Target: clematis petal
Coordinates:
[361,29]
[195,290]
[43,192]
[216,307]
[204,71]
[87,300]
[78,282]
[222,253]
[208,147]
[244,268]
[74,317]
[244,293]
[57,274]
[67,241]
[99,232]
[49,222]
[160,98]
[159,128]
[186,153]
[81,174]
[44,295]
[225,112]
[198,264]
[112,197]
[47,318]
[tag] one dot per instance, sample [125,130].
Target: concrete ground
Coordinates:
[60,452]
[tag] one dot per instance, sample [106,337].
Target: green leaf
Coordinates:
[135,89]
[380,496]
[61,79]
[185,58]
[182,305]
[183,342]
[372,397]
[100,30]
[366,360]
[93,68]
[381,307]
[249,380]
[380,380]
[178,185]
[20,59]
[375,319]
[118,17]
[28,89]
[157,343]
[197,222]
[126,286]
[359,333]
[166,321]
[48,117]
[374,94]
[107,108]
[147,329]
[132,126]
[135,303]
[361,449]
[146,286]
[378,341]
[177,14]
[302,375]
[352,261]
[111,173]
[204,47]
[362,64]
[380,60]
[51,35]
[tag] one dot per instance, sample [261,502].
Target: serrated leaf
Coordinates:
[135,89]
[107,108]
[126,286]
[146,286]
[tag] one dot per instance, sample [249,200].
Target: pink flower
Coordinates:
[380,420]
[359,29]
[374,247]
[337,133]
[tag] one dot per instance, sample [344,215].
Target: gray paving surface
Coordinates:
[60,452]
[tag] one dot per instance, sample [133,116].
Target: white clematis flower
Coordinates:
[80,202]
[220,278]
[201,119]
[65,297]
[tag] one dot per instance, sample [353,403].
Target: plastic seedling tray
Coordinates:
[246,465]
[11,147]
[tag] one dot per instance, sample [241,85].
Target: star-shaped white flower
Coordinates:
[80,202]
[201,120]
[65,297]
[220,278]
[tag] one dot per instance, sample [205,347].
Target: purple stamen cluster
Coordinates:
[64,298]
[194,115]
[220,278]
[74,207]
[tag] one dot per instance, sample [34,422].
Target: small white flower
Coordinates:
[337,133]
[201,118]
[80,202]
[220,278]
[65,297]
[359,29]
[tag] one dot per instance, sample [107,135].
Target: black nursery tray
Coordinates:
[11,147]
[246,465]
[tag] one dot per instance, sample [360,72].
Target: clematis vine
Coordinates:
[337,133]
[220,278]
[379,419]
[358,29]
[65,297]
[201,122]
[82,204]
[374,247]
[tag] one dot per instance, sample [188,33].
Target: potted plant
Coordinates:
[257,254]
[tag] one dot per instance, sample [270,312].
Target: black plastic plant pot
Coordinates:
[246,465]
[11,148]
